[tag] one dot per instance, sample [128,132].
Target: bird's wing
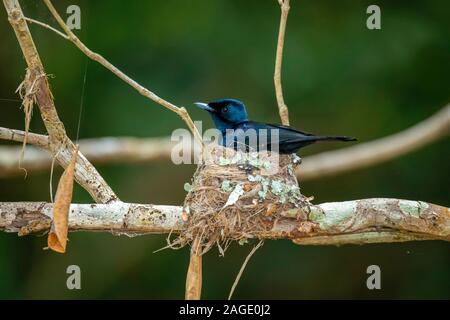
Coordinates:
[285,130]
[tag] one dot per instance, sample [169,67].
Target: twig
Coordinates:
[180,111]
[241,271]
[282,108]
[47,27]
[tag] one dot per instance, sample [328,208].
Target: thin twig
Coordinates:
[180,111]
[47,27]
[282,108]
[241,271]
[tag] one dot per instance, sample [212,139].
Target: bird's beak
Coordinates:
[204,106]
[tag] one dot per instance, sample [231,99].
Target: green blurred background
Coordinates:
[339,78]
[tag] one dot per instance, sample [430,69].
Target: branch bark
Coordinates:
[60,145]
[107,150]
[350,222]
[39,140]
[117,217]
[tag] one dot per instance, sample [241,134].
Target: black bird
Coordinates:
[231,119]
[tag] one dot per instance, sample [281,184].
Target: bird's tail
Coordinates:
[332,138]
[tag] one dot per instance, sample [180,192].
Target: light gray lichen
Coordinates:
[337,212]
[226,186]
[224,161]
[252,178]
[242,241]
[286,192]
[291,169]
[413,208]
[187,187]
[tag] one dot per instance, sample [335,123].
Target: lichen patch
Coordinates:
[235,196]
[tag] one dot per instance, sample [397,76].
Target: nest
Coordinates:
[236,196]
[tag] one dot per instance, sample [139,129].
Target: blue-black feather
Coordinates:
[231,114]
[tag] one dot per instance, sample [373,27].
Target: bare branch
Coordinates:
[282,108]
[180,111]
[60,145]
[98,151]
[19,136]
[350,222]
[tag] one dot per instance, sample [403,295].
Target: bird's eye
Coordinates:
[225,109]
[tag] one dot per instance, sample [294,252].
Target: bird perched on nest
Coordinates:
[231,119]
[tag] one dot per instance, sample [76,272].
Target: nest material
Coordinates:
[236,196]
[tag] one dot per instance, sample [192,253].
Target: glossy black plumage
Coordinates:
[230,118]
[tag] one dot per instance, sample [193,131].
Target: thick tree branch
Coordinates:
[60,145]
[356,222]
[282,108]
[131,150]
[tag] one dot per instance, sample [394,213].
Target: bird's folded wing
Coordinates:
[285,129]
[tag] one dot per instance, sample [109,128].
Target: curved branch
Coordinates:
[370,153]
[336,223]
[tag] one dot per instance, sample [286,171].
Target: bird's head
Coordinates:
[225,112]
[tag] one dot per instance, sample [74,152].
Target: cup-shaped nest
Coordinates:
[238,195]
